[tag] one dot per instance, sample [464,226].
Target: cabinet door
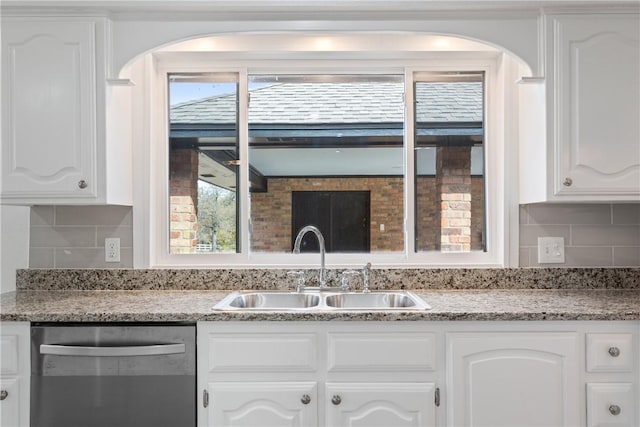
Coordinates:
[265,404]
[10,403]
[380,404]
[48,109]
[15,363]
[596,75]
[512,379]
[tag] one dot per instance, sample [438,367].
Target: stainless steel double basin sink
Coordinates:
[318,301]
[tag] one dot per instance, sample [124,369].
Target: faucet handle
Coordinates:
[366,277]
[298,279]
[345,277]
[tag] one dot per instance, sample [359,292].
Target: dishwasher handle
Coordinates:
[120,351]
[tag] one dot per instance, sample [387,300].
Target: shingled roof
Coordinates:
[338,103]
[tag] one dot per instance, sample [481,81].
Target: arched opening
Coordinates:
[246,163]
[311,45]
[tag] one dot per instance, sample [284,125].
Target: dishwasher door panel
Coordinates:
[100,376]
[113,401]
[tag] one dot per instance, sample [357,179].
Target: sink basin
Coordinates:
[376,301]
[269,301]
[318,301]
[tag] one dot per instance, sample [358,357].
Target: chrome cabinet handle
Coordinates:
[4,394]
[614,351]
[82,184]
[568,182]
[138,350]
[336,400]
[614,410]
[305,399]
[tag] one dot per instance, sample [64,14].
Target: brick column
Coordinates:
[183,184]
[453,184]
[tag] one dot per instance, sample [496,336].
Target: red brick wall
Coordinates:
[477,212]
[271,211]
[427,215]
[183,201]
[453,184]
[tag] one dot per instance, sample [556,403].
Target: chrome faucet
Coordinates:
[296,249]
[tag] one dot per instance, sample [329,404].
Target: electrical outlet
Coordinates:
[112,249]
[550,250]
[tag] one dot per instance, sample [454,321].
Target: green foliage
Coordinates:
[216,217]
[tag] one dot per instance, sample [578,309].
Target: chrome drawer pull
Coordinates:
[139,350]
[614,351]
[4,394]
[614,409]
[336,400]
[305,399]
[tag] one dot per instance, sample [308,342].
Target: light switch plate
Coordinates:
[550,250]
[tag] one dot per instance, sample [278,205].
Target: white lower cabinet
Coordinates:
[272,404]
[612,400]
[513,379]
[10,406]
[380,404]
[382,374]
[419,374]
[316,374]
[14,374]
[611,405]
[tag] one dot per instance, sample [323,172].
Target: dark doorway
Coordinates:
[341,216]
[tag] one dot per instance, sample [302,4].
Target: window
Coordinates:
[203,163]
[316,143]
[449,161]
[264,132]
[334,134]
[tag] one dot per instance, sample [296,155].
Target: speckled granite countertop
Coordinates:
[77,295]
[197,305]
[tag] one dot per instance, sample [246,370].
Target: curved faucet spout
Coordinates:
[296,248]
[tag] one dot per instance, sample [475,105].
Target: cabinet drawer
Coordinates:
[264,352]
[381,352]
[609,352]
[9,355]
[610,405]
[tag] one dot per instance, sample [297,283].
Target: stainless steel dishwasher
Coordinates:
[106,375]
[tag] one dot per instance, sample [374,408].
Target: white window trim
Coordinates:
[501,199]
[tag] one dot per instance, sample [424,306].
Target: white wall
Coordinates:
[14,244]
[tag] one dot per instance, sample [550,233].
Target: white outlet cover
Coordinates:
[112,249]
[551,250]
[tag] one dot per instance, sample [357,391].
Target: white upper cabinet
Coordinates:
[592,149]
[54,94]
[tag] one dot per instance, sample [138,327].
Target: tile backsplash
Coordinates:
[595,235]
[73,236]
